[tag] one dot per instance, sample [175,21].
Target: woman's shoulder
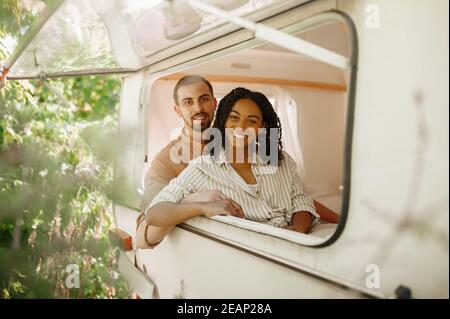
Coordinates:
[288,162]
[286,159]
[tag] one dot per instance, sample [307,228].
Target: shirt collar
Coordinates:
[258,164]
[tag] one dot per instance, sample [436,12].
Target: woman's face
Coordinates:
[243,122]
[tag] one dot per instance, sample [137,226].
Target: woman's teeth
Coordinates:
[238,135]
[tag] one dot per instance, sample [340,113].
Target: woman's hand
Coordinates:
[301,222]
[225,206]
[204,196]
[300,229]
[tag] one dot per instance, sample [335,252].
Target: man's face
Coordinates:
[195,103]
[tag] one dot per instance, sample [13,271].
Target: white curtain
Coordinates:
[286,109]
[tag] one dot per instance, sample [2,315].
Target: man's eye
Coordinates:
[187,103]
[205,99]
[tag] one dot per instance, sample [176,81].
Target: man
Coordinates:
[195,104]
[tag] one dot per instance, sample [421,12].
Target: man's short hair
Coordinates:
[187,80]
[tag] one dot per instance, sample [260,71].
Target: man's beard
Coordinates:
[197,125]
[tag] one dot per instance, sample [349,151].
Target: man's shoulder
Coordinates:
[162,167]
[164,153]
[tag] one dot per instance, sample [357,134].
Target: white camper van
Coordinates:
[361,88]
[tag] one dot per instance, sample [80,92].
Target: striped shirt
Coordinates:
[277,195]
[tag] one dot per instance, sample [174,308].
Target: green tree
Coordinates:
[55,182]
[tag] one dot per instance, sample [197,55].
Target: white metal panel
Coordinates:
[127,175]
[186,265]
[125,219]
[398,216]
[139,281]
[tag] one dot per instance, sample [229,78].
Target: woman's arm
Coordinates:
[149,236]
[162,217]
[301,222]
[166,214]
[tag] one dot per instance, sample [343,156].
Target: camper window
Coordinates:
[311,99]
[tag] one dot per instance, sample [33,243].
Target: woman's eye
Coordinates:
[233,117]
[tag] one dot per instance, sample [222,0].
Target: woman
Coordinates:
[269,192]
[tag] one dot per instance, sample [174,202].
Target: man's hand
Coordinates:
[2,76]
[225,206]
[204,196]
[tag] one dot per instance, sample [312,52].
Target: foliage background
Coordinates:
[55,179]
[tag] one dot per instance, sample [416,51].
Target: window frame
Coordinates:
[155,72]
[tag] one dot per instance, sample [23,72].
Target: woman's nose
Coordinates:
[240,126]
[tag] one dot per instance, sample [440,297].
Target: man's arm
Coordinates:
[326,214]
[158,176]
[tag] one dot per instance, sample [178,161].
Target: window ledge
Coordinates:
[285,246]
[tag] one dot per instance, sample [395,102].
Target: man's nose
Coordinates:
[198,107]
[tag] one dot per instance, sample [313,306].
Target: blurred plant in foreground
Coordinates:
[55,181]
[56,187]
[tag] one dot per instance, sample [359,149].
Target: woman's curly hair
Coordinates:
[270,117]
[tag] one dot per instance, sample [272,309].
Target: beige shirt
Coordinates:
[162,169]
